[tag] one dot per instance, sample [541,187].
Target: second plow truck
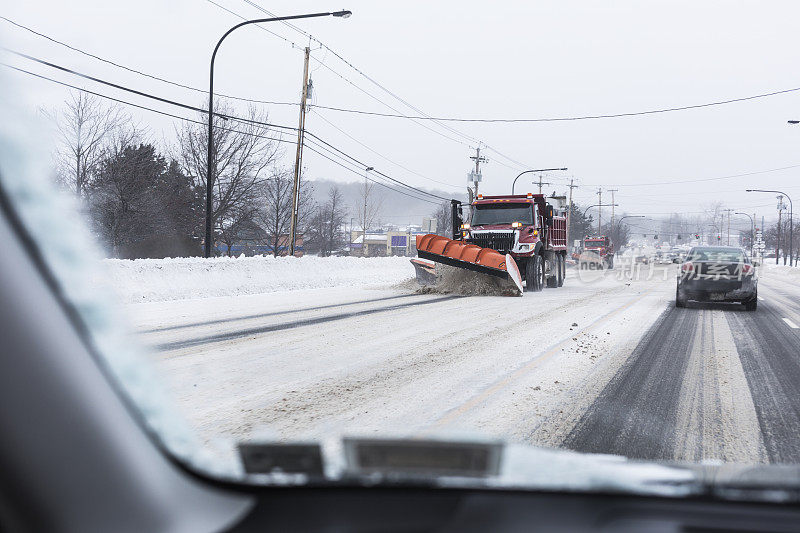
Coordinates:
[513,238]
[596,252]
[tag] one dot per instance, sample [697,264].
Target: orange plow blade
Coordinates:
[471,257]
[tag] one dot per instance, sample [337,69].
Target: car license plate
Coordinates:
[716,296]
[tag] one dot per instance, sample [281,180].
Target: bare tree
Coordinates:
[85,128]
[715,216]
[444,218]
[275,210]
[325,230]
[369,206]
[244,159]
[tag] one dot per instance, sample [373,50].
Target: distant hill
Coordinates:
[396,208]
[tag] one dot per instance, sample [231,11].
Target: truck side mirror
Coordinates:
[549,215]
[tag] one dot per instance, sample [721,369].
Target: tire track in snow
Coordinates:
[238,334]
[272,313]
[635,414]
[770,354]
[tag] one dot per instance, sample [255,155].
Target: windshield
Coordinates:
[502,213]
[305,273]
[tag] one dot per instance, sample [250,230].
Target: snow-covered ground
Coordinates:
[311,362]
[152,280]
[360,353]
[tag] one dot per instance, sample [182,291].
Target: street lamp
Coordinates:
[210,162]
[752,231]
[534,170]
[791,220]
[619,224]
[598,220]
[629,216]
[599,205]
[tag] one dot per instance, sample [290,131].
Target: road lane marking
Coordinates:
[791,324]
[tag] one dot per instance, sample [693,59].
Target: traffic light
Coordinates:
[655,237]
[696,235]
[679,237]
[719,237]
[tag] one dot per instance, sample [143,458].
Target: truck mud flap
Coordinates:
[470,257]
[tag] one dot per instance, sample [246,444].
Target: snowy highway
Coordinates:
[606,364]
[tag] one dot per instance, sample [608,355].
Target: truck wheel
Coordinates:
[534,274]
[529,275]
[552,280]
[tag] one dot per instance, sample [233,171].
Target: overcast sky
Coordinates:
[475,60]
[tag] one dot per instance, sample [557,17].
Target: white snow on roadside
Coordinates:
[781,272]
[153,280]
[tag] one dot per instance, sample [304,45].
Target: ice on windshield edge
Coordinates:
[74,260]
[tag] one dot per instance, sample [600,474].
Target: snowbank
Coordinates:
[151,280]
[783,272]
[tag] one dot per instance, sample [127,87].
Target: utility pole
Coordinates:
[476,175]
[778,242]
[599,211]
[729,224]
[569,213]
[298,160]
[541,183]
[612,211]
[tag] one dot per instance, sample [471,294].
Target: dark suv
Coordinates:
[717,274]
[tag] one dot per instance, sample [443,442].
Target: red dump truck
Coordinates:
[596,252]
[514,238]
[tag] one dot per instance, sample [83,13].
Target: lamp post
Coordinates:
[791,219]
[619,223]
[599,205]
[752,230]
[598,220]
[210,170]
[529,171]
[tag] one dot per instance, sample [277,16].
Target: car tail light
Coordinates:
[747,270]
[687,267]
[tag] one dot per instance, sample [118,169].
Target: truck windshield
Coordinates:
[502,213]
[594,243]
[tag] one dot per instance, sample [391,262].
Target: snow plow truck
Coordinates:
[514,238]
[596,252]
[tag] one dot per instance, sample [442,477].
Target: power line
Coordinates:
[345,79]
[571,118]
[139,106]
[142,93]
[362,73]
[422,116]
[245,133]
[139,72]
[731,176]
[331,124]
